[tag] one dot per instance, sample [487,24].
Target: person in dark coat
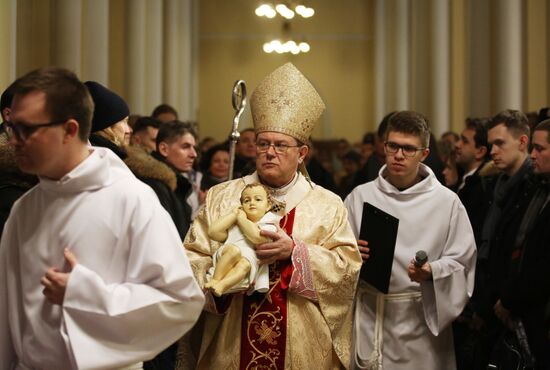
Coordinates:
[245,153]
[176,149]
[375,162]
[214,165]
[176,143]
[508,135]
[475,192]
[13,182]
[351,162]
[524,287]
[317,172]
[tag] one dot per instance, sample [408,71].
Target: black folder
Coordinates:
[379,228]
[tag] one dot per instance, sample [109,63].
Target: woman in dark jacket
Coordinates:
[215,166]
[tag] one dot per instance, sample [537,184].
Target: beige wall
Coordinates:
[201,47]
[339,64]
[7,35]
[537,56]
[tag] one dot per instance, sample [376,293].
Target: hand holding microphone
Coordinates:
[419,269]
[420,258]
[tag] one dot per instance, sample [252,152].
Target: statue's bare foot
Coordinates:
[210,284]
[218,290]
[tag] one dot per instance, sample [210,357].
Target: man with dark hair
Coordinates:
[165,113]
[81,285]
[476,193]
[451,137]
[144,133]
[175,147]
[508,135]
[370,170]
[472,153]
[523,279]
[424,297]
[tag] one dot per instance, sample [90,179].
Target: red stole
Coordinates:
[264,320]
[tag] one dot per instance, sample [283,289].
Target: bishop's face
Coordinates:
[277,166]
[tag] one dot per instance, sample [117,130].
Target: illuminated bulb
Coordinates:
[281,8]
[295,50]
[304,47]
[262,10]
[308,12]
[268,47]
[270,13]
[276,44]
[300,9]
[289,14]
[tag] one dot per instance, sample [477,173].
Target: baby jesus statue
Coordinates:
[236,266]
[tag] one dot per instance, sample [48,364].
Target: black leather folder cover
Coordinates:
[379,229]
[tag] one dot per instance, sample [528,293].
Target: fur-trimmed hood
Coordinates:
[11,174]
[144,165]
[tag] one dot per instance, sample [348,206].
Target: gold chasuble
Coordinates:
[305,320]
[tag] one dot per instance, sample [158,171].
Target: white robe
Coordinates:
[132,293]
[259,274]
[416,332]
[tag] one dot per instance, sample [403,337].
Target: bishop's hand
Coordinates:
[280,248]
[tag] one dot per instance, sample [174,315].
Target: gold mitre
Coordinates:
[286,102]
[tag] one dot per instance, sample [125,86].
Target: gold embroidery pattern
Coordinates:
[264,327]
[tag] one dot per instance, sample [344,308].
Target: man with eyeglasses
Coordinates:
[82,284]
[409,327]
[304,321]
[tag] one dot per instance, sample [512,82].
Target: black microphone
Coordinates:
[420,258]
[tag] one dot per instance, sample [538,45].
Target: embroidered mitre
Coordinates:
[286,102]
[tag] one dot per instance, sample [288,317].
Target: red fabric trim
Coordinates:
[264,319]
[301,282]
[287,223]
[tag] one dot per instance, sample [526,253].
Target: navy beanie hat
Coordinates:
[109,109]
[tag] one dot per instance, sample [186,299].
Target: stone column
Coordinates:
[153,56]
[379,61]
[508,55]
[440,71]
[66,34]
[135,63]
[95,41]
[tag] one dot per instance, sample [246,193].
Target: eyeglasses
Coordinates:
[408,150]
[280,148]
[23,131]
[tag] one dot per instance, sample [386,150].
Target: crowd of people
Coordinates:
[125,246]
